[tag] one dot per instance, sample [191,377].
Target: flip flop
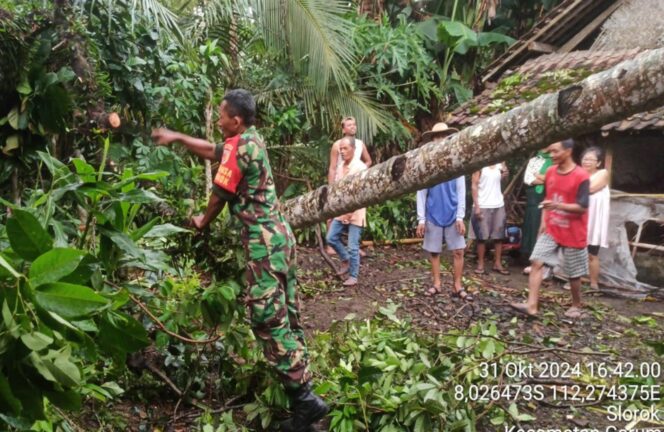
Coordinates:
[462,294]
[526,271]
[480,271]
[574,313]
[501,271]
[523,310]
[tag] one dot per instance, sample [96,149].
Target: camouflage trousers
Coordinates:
[274,308]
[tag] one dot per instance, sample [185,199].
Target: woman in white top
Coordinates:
[598,209]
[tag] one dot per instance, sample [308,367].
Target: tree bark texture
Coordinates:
[210,137]
[630,87]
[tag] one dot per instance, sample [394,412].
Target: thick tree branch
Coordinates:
[629,87]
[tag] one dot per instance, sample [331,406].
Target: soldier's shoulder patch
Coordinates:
[229,175]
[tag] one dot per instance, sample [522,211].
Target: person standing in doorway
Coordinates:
[488,216]
[564,228]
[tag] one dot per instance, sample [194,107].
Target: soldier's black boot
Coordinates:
[307,409]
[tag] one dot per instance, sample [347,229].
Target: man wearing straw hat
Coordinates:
[440,213]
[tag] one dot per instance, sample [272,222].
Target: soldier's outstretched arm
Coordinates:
[215,206]
[197,146]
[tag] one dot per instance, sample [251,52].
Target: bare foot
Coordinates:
[575,313]
[524,309]
[351,281]
[343,268]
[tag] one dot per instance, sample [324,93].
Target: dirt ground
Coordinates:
[613,328]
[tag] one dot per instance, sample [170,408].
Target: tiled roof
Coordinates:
[546,74]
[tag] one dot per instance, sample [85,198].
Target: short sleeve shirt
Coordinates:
[244,178]
[567,229]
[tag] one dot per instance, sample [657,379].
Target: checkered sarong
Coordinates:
[575,261]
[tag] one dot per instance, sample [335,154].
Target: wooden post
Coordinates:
[637,239]
[608,162]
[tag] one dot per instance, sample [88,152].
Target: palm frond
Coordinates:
[313,33]
[327,110]
[216,16]
[157,11]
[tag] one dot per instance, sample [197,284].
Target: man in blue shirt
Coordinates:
[440,213]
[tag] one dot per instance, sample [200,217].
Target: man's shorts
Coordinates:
[435,236]
[575,261]
[490,227]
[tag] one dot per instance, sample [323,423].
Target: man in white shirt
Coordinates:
[488,216]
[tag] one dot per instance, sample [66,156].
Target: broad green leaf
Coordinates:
[136,61]
[54,265]
[65,74]
[139,196]
[138,233]
[60,239]
[86,325]
[69,300]
[56,367]
[165,230]
[83,273]
[457,36]
[13,118]
[36,341]
[6,266]
[40,364]
[26,235]
[24,87]
[7,399]
[11,143]
[8,319]
[54,165]
[121,334]
[124,243]
[64,370]
[84,170]
[29,395]
[69,400]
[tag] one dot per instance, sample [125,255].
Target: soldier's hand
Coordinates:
[163,136]
[197,222]
[419,232]
[460,227]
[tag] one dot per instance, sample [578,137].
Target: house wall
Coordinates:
[637,162]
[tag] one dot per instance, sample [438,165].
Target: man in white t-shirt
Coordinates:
[349,129]
[488,216]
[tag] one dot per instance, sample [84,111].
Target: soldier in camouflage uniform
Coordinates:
[244,181]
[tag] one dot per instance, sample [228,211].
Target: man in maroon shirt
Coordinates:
[563,228]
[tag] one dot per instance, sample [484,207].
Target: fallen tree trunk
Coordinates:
[628,88]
